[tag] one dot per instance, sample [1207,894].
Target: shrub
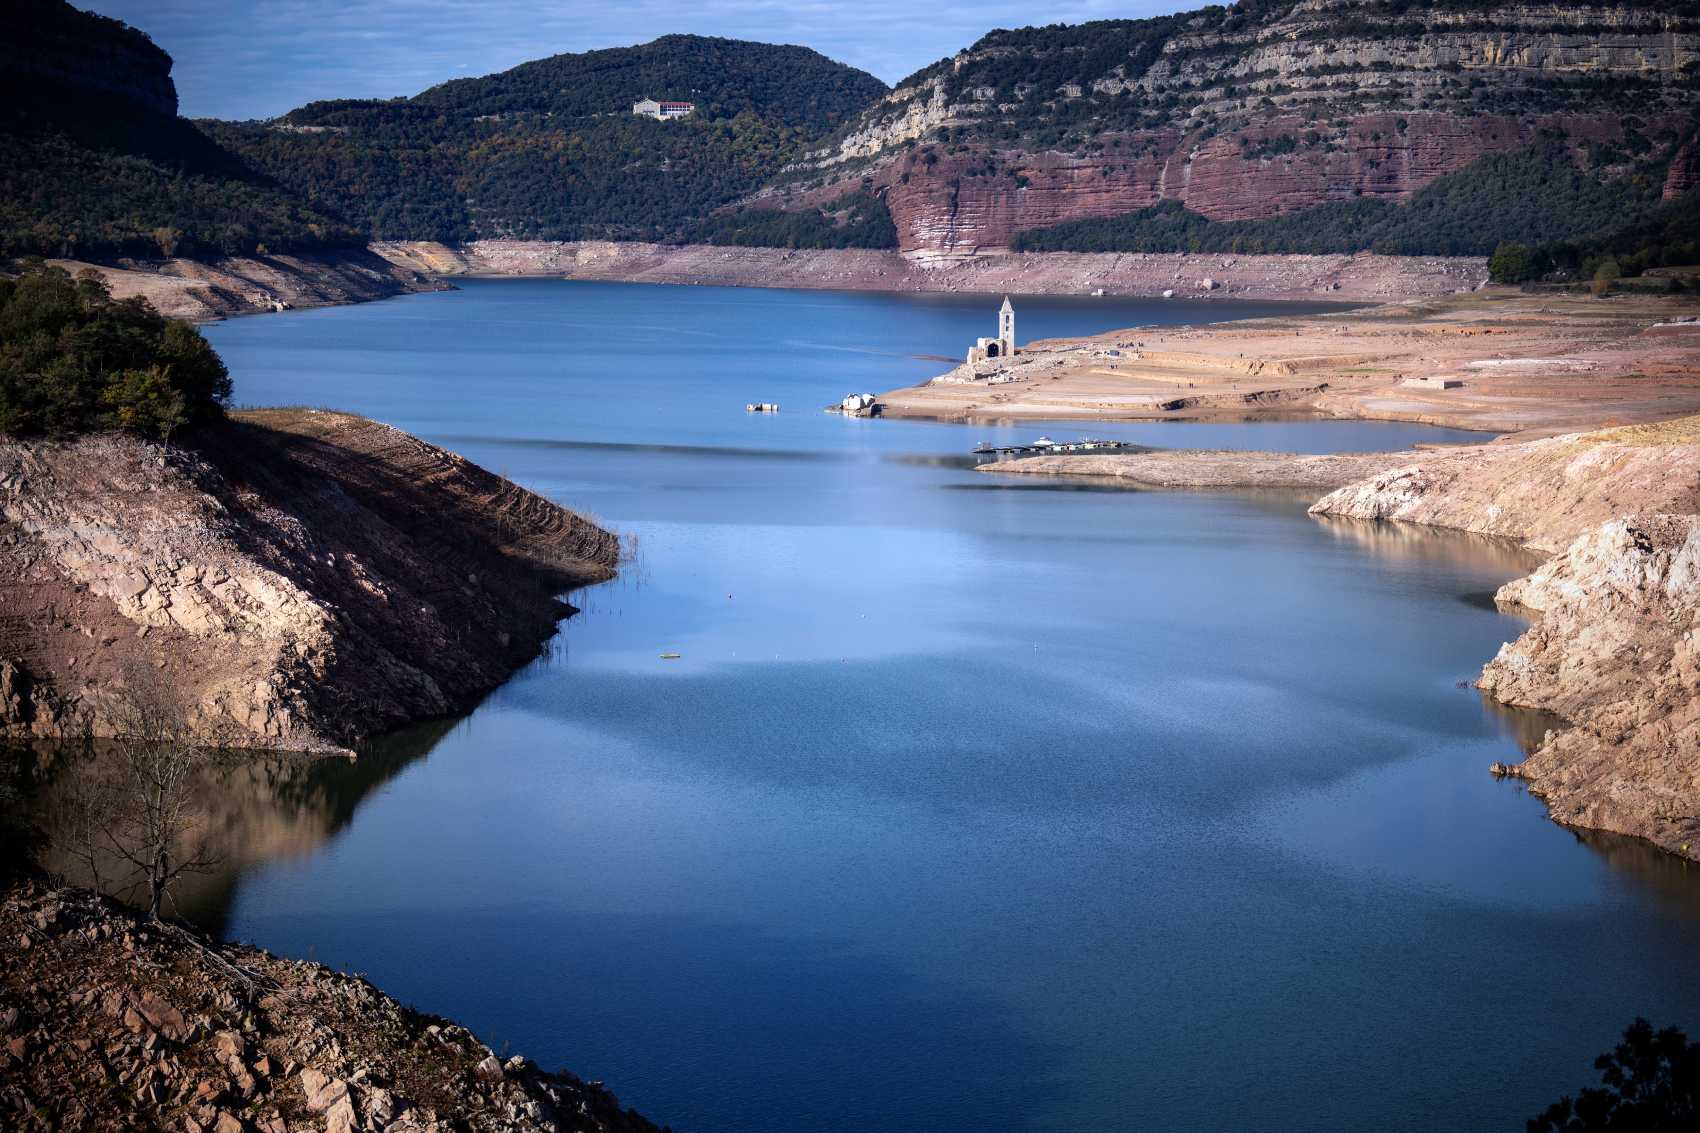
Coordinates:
[1605,275]
[1512,263]
[74,359]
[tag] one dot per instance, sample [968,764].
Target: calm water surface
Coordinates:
[972,803]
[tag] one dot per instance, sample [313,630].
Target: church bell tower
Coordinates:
[1006,328]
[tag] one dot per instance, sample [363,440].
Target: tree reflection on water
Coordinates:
[241,812]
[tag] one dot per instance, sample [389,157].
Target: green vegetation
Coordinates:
[1497,199]
[857,219]
[1667,235]
[87,171]
[1512,263]
[72,359]
[1650,1083]
[550,150]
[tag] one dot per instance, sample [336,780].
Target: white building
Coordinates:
[663,111]
[1004,344]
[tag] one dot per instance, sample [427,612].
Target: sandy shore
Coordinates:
[1495,361]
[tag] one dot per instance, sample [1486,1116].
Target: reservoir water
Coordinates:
[971,802]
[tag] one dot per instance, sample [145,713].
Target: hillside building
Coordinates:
[1004,344]
[662,111]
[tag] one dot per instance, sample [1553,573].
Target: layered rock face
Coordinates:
[1616,652]
[1327,100]
[300,580]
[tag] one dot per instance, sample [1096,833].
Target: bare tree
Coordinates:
[159,761]
[129,806]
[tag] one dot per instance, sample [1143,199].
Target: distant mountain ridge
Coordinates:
[1327,126]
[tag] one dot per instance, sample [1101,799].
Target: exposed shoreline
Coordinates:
[299,580]
[207,290]
[202,291]
[1337,278]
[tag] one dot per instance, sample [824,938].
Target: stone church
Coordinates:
[1004,344]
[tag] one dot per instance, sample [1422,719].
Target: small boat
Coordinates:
[762,407]
[669,656]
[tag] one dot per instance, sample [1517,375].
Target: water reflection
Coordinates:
[1668,880]
[1526,727]
[1412,542]
[248,810]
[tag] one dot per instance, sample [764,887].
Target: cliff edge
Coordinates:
[299,579]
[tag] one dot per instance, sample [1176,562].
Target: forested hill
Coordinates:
[789,86]
[550,149]
[95,162]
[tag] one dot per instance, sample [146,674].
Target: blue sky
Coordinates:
[236,59]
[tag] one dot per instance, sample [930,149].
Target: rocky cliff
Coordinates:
[1616,652]
[110,1023]
[1257,110]
[297,580]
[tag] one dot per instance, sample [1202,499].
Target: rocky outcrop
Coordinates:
[111,1023]
[1242,118]
[240,285]
[1344,278]
[297,580]
[1542,493]
[1616,653]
